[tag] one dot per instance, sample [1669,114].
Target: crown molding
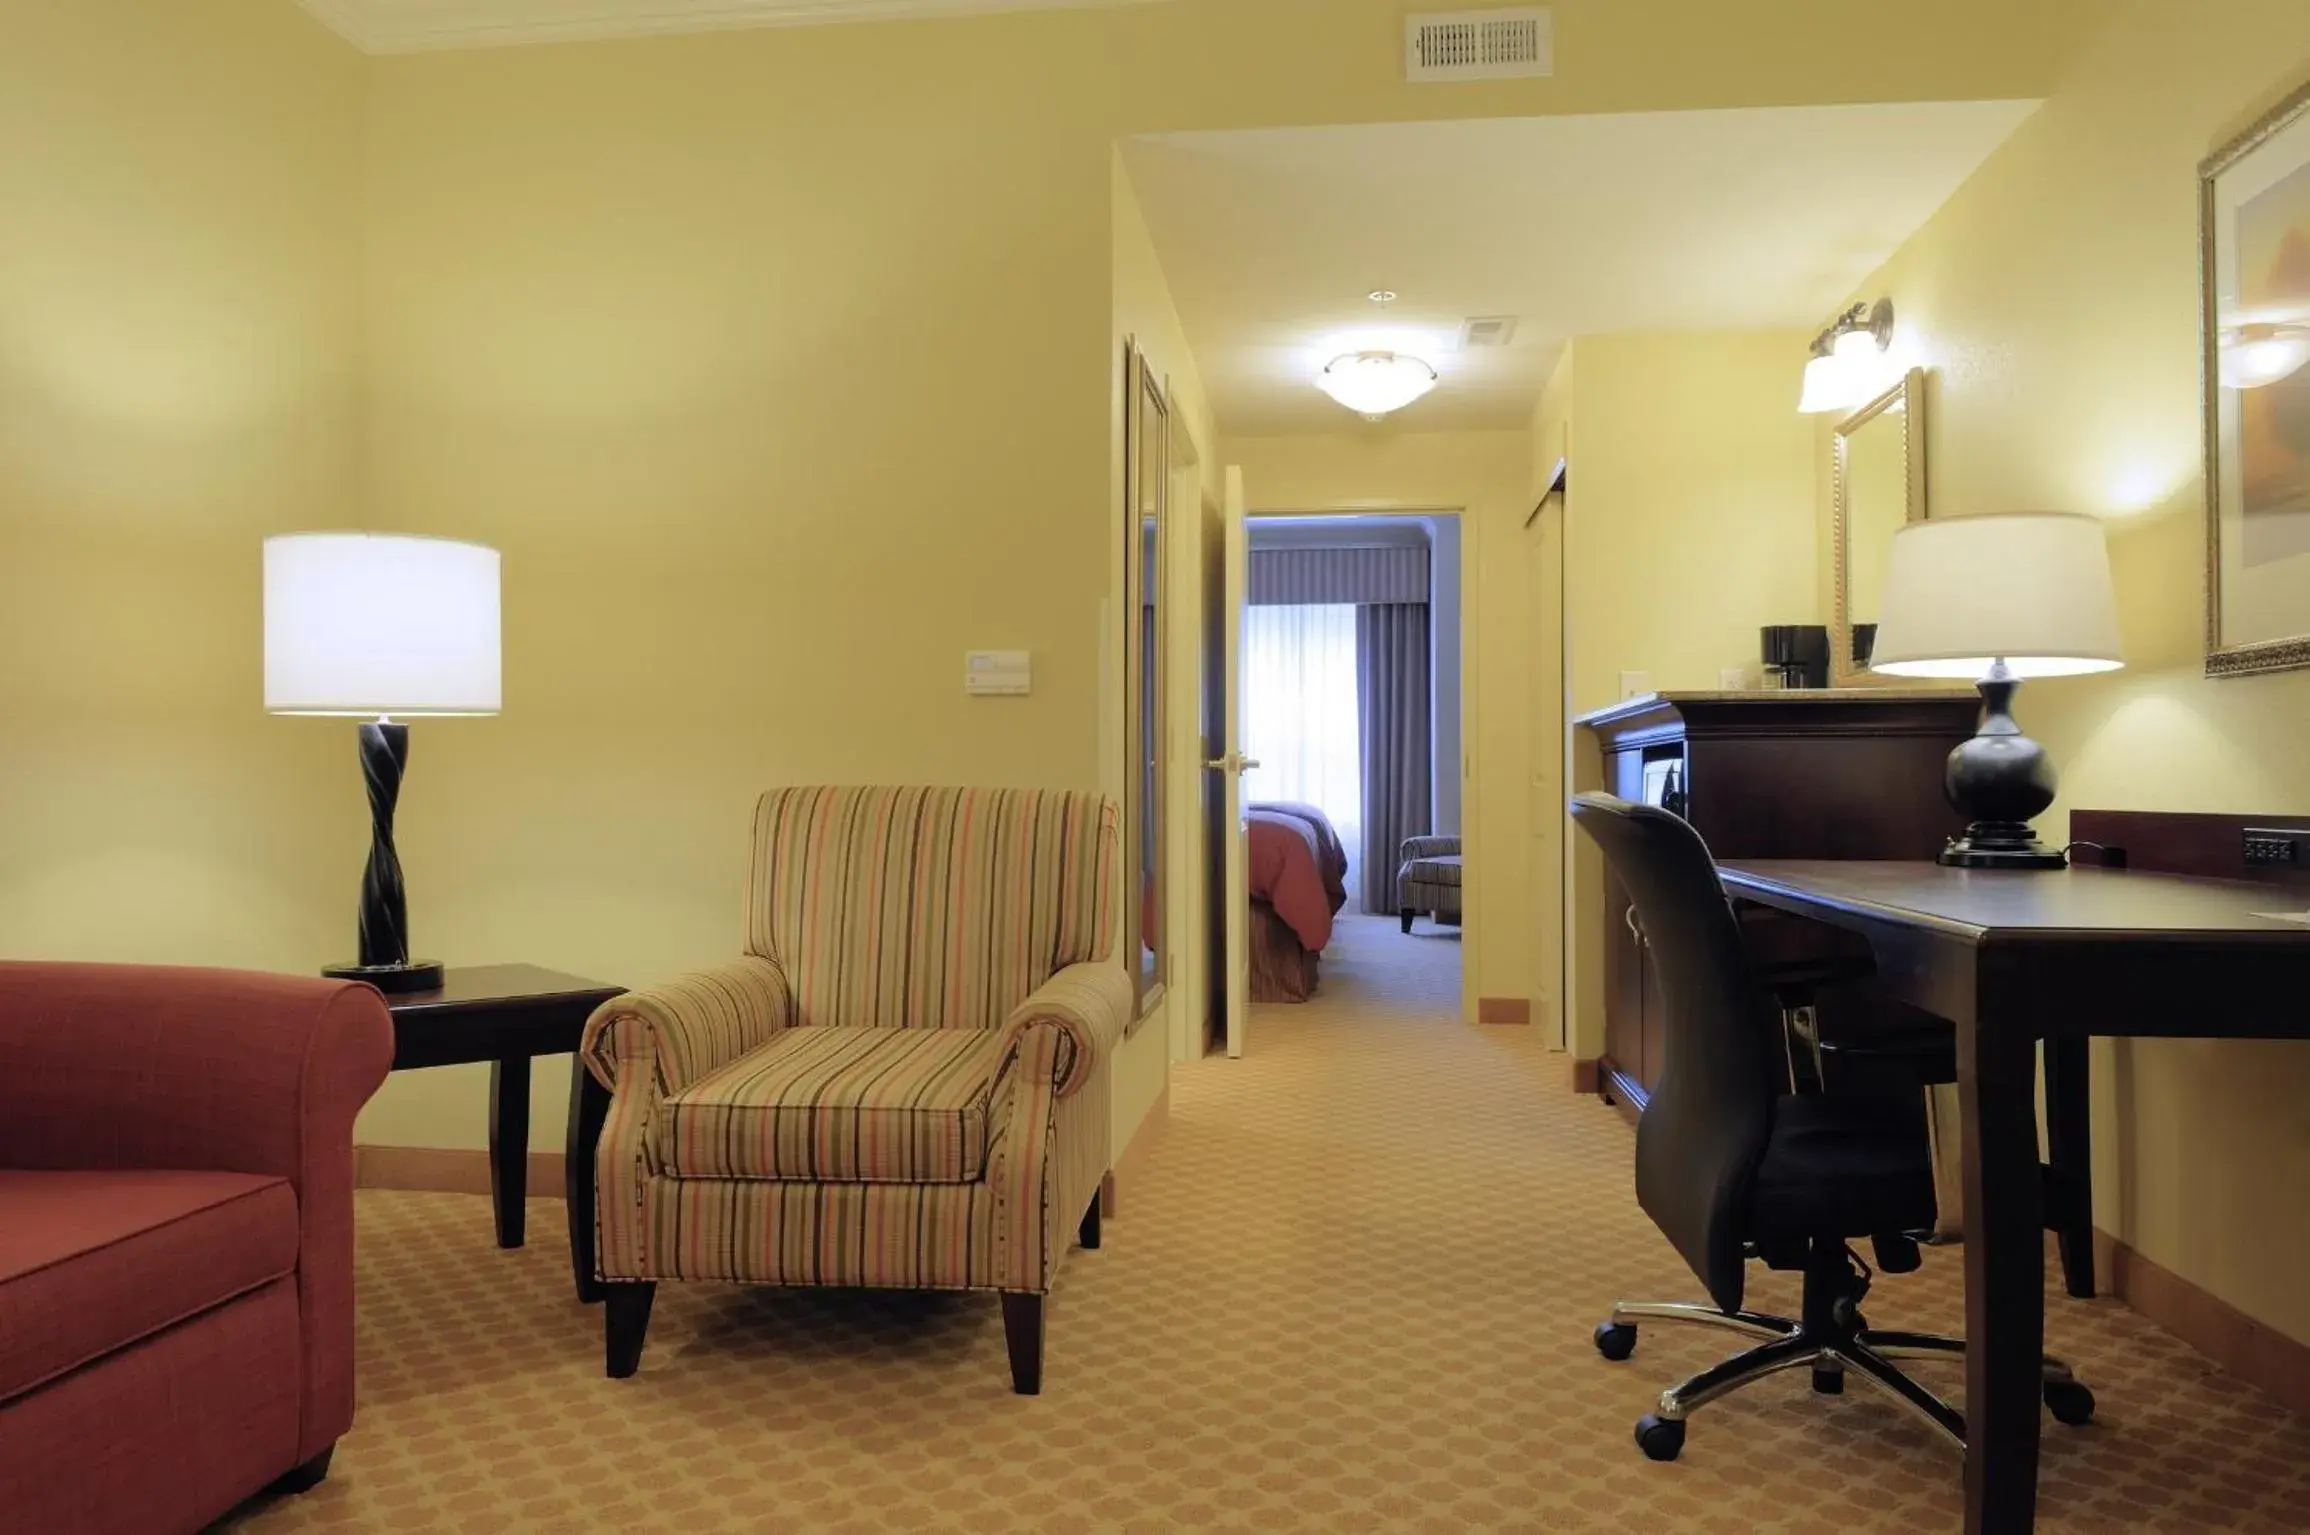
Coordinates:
[395,26]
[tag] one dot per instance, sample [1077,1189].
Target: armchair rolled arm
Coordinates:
[1089,1006]
[690,1025]
[1431,847]
[151,1066]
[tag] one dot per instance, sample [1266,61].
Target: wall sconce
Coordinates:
[1840,372]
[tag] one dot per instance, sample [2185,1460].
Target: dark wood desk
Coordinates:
[506,1015]
[2011,959]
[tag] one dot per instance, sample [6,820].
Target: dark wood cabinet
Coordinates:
[1825,773]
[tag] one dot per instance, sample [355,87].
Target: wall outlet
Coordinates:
[2276,848]
[1733,679]
[1635,684]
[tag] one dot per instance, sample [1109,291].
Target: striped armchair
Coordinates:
[903,1082]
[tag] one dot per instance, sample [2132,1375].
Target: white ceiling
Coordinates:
[412,26]
[1271,238]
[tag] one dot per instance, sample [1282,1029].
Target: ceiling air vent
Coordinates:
[1488,330]
[1479,45]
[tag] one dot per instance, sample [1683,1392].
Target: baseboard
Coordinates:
[1503,1009]
[1587,1075]
[447,1170]
[2254,1352]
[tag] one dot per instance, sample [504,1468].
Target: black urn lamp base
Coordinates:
[1989,846]
[2001,780]
[393,980]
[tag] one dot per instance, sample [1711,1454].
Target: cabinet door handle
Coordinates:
[1628,916]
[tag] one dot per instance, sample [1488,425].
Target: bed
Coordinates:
[1298,884]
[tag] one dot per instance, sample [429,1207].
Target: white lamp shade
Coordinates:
[2029,588]
[1825,385]
[376,624]
[2253,356]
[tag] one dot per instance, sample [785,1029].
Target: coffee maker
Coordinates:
[1795,655]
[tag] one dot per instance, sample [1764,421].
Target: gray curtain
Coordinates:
[1392,697]
[1315,575]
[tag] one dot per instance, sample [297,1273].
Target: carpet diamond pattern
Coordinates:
[1352,1291]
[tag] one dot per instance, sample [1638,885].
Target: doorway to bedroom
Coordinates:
[1351,709]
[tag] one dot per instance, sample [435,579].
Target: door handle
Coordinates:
[1233,762]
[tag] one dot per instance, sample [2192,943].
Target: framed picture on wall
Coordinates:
[2254,231]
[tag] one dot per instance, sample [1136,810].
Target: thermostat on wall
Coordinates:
[997,672]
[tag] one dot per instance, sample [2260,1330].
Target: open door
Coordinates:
[1235,891]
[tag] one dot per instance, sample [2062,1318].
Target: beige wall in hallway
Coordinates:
[2055,299]
[1144,312]
[1483,476]
[1690,522]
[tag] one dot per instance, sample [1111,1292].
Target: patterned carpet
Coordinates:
[1352,1292]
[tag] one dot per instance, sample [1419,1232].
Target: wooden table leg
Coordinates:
[509,1145]
[589,1105]
[2069,1151]
[2004,1274]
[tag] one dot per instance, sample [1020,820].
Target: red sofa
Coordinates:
[176,1238]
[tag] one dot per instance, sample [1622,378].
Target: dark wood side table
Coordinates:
[507,1015]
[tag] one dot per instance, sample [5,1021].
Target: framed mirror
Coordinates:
[1878,476]
[1147,480]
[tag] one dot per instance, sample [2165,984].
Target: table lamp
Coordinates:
[376,626]
[1999,598]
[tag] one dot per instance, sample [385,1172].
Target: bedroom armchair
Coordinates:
[902,1084]
[1429,879]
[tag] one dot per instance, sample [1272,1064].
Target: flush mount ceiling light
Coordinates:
[1374,383]
[1376,380]
[1842,370]
[2262,352]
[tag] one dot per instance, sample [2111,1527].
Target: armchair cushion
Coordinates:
[90,1262]
[840,1105]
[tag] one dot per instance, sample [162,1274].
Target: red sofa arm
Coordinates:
[227,1070]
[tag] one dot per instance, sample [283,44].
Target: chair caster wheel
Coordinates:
[1828,1382]
[1659,1438]
[2069,1401]
[1615,1340]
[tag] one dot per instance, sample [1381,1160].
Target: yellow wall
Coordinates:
[1485,476]
[1693,521]
[179,271]
[1145,313]
[778,363]
[1690,523]
[2055,298]
[1549,752]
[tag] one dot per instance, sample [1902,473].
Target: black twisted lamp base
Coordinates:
[385,962]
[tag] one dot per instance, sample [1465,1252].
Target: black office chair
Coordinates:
[1731,1165]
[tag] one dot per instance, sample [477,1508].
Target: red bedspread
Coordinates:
[1287,872]
[1330,853]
